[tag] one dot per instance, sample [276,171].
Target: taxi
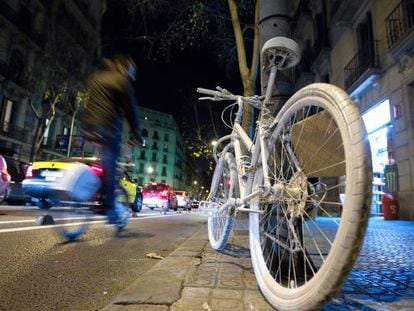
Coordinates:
[53,171]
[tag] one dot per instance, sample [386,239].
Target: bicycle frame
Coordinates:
[257,149]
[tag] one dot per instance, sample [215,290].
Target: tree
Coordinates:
[230,26]
[54,80]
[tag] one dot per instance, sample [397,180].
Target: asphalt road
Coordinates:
[40,271]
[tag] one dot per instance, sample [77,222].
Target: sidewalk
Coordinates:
[194,277]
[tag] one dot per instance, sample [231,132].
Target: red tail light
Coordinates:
[97,170]
[29,171]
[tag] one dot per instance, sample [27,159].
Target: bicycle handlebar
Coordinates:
[223,94]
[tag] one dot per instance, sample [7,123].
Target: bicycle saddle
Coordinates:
[281,51]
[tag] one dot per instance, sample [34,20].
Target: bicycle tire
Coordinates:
[74,222]
[224,186]
[296,266]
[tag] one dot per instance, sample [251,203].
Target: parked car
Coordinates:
[183,200]
[15,194]
[54,169]
[4,178]
[158,195]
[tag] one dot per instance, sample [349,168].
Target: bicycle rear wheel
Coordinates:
[304,244]
[223,186]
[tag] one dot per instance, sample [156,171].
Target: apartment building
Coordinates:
[366,48]
[162,158]
[68,34]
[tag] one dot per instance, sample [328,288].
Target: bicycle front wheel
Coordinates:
[224,186]
[304,244]
[73,222]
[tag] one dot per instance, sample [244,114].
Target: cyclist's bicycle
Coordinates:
[305,181]
[77,218]
[75,184]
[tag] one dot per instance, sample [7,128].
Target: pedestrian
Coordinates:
[111,97]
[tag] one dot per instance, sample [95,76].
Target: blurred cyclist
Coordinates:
[112,97]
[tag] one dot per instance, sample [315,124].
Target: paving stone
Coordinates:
[143,307]
[382,278]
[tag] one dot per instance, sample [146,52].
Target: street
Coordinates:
[104,271]
[42,272]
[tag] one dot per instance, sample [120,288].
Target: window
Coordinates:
[144,133]
[179,146]
[154,157]
[16,66]
[6,114]
[165,148]
[155,136]
[164,171]
[164,159]
[155,145]
[166,137]
[141,168]
[142,157]
[140,180]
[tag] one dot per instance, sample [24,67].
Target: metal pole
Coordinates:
[275,18]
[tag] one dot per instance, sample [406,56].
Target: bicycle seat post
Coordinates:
[277,53]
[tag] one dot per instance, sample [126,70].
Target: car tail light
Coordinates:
[164,193]
[96,169]
[29,171]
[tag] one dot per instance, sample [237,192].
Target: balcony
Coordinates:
[364,65]
[399,27]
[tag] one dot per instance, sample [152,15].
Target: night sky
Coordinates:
[168,86]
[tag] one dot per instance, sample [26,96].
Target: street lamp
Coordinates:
[150,170]
[195,182]
[214,142]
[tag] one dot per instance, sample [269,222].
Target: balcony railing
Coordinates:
[366,59]
[400,22]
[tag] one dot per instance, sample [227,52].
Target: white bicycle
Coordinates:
[305,180]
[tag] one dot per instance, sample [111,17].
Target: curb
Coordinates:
[162,285]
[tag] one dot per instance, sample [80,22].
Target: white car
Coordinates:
[183,200]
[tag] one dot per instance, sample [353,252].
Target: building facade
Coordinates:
[67,35]
[162,158]
[366,48]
